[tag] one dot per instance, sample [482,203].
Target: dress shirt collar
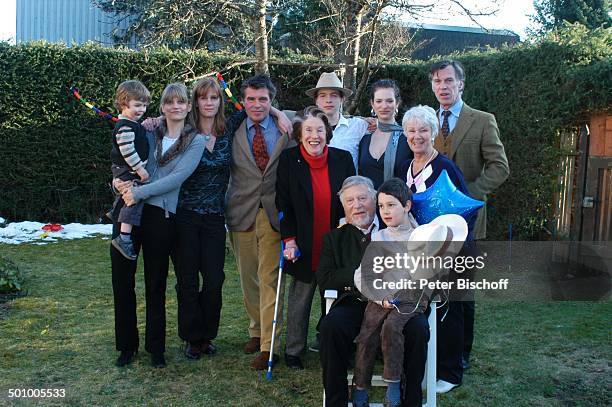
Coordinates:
[374,227]
[264,123]
[342,121]
[455,109]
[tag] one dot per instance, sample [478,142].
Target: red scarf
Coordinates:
[321,199]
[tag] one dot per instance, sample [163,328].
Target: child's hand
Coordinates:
[143,174]
[386,304]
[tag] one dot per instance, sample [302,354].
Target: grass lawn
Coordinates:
[61,336]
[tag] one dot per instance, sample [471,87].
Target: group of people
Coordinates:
[269,176]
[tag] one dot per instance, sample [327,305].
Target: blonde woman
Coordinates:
[174,152]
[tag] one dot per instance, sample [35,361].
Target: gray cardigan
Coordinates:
[165,182]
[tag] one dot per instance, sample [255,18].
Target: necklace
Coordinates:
[419,180]
[209,141]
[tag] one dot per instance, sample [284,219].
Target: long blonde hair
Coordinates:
[173,91]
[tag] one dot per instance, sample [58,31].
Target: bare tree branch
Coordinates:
[366,72]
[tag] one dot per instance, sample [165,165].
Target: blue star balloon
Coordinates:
[443,198]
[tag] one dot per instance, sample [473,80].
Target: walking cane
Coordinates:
[281,264]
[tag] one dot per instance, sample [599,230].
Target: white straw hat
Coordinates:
[329,80]
[435,237]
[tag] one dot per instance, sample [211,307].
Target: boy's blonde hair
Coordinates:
[131,90]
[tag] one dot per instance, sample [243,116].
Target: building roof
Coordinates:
[474,30]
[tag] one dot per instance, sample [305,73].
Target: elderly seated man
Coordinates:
[341,254]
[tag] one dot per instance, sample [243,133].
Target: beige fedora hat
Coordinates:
[455,223]
[329,80]
[436,236]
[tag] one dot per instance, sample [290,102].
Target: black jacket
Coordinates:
[341,254]
[295,199]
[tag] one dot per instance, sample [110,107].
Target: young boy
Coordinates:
[129,156]
[384,320]
[394,203]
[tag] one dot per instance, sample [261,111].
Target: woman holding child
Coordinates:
[174,152]
[309,177]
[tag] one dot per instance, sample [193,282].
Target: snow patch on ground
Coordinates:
[31,232]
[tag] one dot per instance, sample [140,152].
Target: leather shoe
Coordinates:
[389,403]
[443,386]
[252,345]
[158,361]
[314,347]
[294,362]
[208,348]
[125,358]
[261,361]
[193,351]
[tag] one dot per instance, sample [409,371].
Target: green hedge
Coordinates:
[11,280]
[55,151]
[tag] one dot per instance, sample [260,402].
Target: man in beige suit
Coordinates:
[252,218]
[470,138]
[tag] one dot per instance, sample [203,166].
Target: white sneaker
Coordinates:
[444,386]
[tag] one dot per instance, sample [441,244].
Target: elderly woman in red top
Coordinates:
[308,180]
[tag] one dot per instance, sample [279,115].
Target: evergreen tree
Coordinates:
[551,14]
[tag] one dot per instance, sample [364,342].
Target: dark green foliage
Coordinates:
[552,14]
[55,151]
[10,277]
[534,91]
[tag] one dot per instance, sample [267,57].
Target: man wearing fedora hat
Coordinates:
[329,95]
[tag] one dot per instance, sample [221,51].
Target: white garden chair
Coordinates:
[429,381]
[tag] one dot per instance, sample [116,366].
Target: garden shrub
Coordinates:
[55,152]
[10,277]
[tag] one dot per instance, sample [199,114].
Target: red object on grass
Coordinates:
[52,227]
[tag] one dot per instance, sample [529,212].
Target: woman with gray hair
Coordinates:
[420,125]
[421,128]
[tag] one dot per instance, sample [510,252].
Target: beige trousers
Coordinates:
[257,254]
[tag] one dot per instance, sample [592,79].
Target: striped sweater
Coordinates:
[130,145]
